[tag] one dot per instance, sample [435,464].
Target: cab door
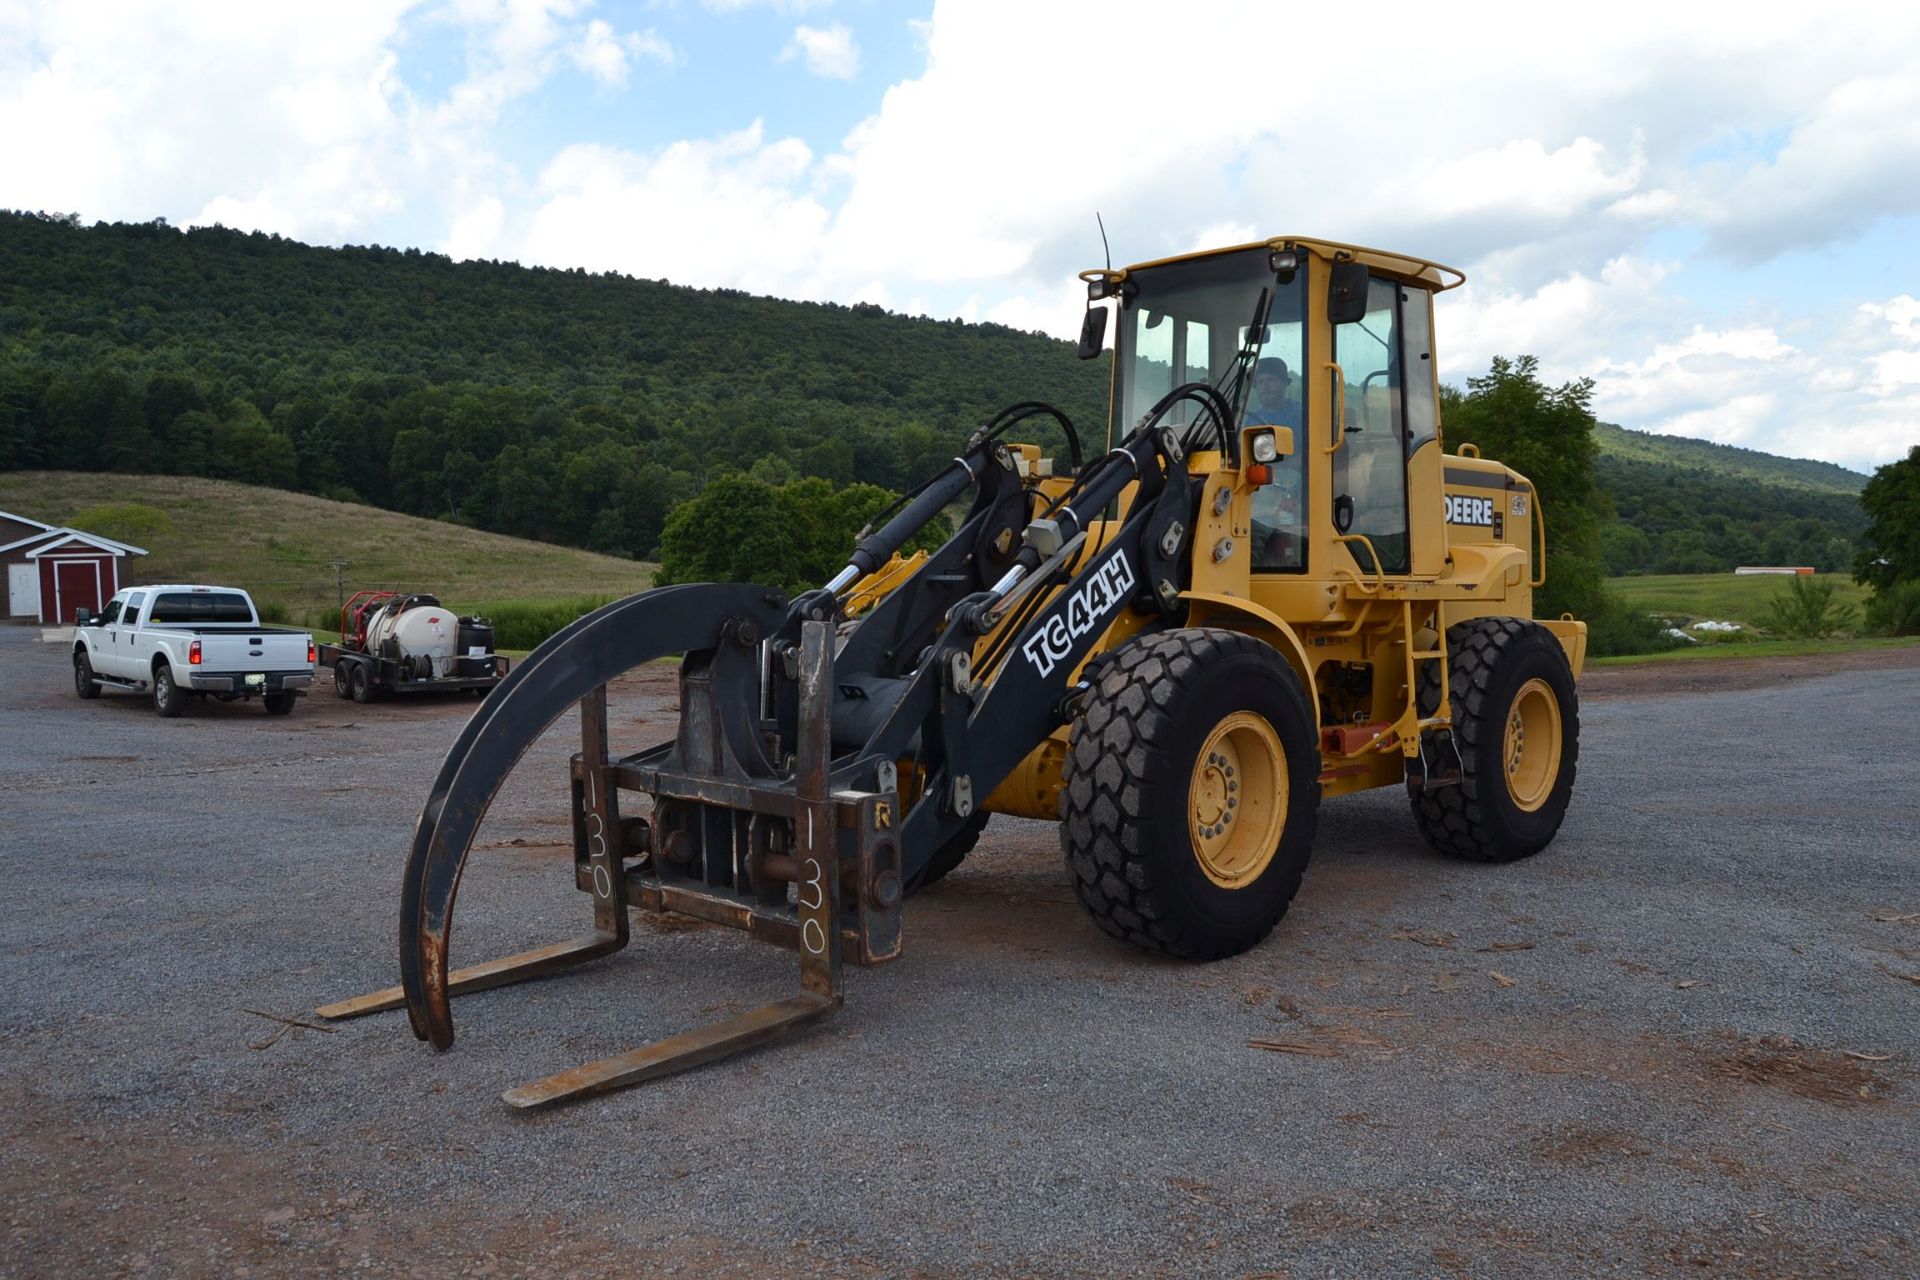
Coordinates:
[1387,367]
[106,635]
[126,627]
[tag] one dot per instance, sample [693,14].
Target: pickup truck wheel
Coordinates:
[278,704]
[83,682]
[168,699]
[342,669]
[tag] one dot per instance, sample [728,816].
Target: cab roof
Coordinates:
[1436,275]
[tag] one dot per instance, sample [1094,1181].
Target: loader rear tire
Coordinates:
[1192,793]
[952,853]
[1516,721]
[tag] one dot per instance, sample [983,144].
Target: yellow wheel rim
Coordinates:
[1531,752]
[1237,801]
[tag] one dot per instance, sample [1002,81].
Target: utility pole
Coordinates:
[340,581]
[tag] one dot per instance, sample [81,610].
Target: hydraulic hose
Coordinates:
[922,505]
[1091,492]
[874,549]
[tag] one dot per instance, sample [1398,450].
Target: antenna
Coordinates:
[1105,248]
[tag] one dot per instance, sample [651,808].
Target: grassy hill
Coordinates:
[281,546]
[1725,460]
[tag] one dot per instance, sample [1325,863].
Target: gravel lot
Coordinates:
[1681,1041]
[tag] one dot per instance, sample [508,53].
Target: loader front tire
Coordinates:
[1192,793]
[1516,721]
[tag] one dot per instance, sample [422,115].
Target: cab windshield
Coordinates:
[1195,322]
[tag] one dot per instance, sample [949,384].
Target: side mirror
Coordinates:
[1093,333]
[1347,293]
[83,617]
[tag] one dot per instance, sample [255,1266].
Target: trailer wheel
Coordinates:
[953,852]
[1516,720]
[168,699]
[83,682]
[1192,793]
[359,683]
[342,670]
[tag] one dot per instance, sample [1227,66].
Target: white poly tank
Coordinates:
[422,631]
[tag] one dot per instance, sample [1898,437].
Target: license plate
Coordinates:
[255,680]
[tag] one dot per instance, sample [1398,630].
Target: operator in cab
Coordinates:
[1271,406]
[1279,525]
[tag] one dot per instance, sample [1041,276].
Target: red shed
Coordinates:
[75,570]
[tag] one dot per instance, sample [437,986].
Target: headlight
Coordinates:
[1264,448]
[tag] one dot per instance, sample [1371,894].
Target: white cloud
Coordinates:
[718,212]
[1850,164]
[1578,189]
[777,6]
[476,231]
[278,117]
[828,51]
[604,55]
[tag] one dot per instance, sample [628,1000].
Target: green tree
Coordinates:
[1546,434]
[733,532]
[1627,549]
[792,536]
[1890,547]
[1806,610]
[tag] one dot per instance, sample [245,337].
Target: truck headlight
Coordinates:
[1264,448]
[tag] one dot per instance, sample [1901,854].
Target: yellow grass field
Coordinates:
[281,546]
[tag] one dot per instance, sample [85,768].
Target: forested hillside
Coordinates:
[560,405]
[1727,460]
[580,408]
[1684,519]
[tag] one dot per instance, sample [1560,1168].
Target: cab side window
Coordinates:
[111,614]
[131,614]
[1370,466]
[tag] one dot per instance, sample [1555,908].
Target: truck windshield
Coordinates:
[1189,322]
[201,607]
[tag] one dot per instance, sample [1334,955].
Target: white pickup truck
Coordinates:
[181,641]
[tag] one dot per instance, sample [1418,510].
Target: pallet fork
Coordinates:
[603,843]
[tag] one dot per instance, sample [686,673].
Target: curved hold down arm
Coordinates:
[571,664]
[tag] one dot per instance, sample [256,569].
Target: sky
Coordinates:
[1713,211]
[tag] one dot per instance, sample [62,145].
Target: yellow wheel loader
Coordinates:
[1270,587]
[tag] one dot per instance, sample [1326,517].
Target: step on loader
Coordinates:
[1271,587]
